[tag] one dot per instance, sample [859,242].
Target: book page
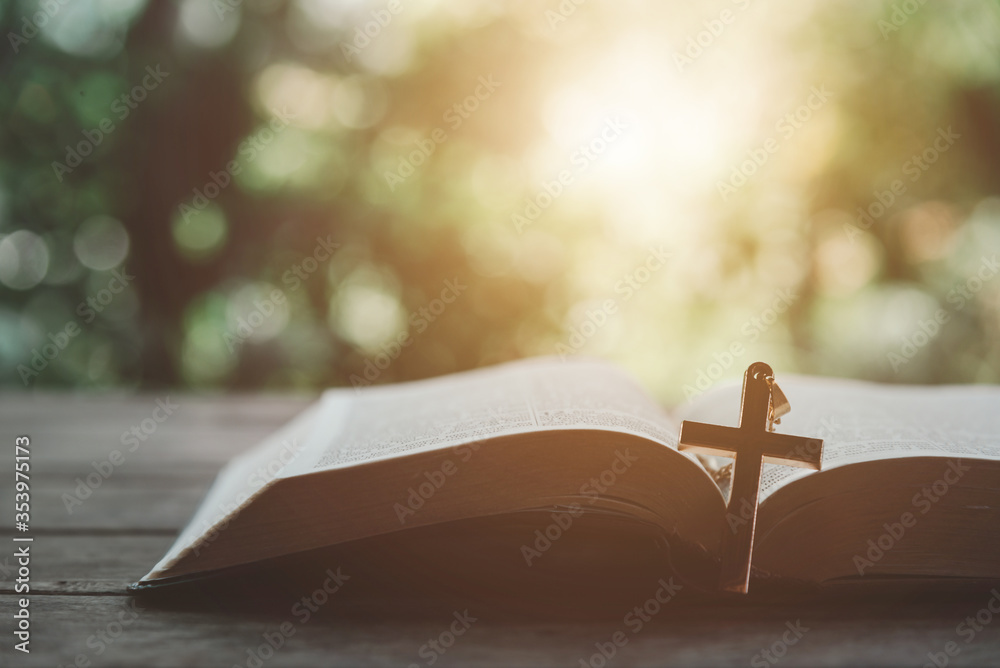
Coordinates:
[862,422]
[242,478]
[355,427]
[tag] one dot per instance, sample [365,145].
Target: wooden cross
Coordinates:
[751,444]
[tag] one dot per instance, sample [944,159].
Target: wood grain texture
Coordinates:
[71,626]
[82,561]
[124,503]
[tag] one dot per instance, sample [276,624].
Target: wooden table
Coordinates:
[83,560]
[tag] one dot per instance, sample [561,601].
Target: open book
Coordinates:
[910,482]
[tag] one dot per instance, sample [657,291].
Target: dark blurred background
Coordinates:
[276,194]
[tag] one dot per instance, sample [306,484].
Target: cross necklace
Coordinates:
[750,444]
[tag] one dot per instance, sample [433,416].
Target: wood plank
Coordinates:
[124,502]
[93,564]
[66,627]
[42,407]
[70,431]
[156,488]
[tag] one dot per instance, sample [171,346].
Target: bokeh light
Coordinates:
[24,260]
[801,160]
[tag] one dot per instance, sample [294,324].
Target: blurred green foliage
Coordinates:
[306,193]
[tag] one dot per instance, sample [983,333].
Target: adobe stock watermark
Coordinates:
[751,331]
[432,481]
[212,528]
[423,491]
[959,296]
[246,152]
[547,536]
[223,7]
[31,24]
[268,471]
[786,126]
[967,629]
[59,340]
[803,450]
[770,656]
[582,157]
[455,116]
[419,320]
[900,16]
[264,308]
[121,107]
[634,621]
[922,501]
[131,440]
[563,11]
[704,39]
[914,167]
[625,288]
[435,648]
[806,450]
[303,611]
[108,635]
[364,34]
